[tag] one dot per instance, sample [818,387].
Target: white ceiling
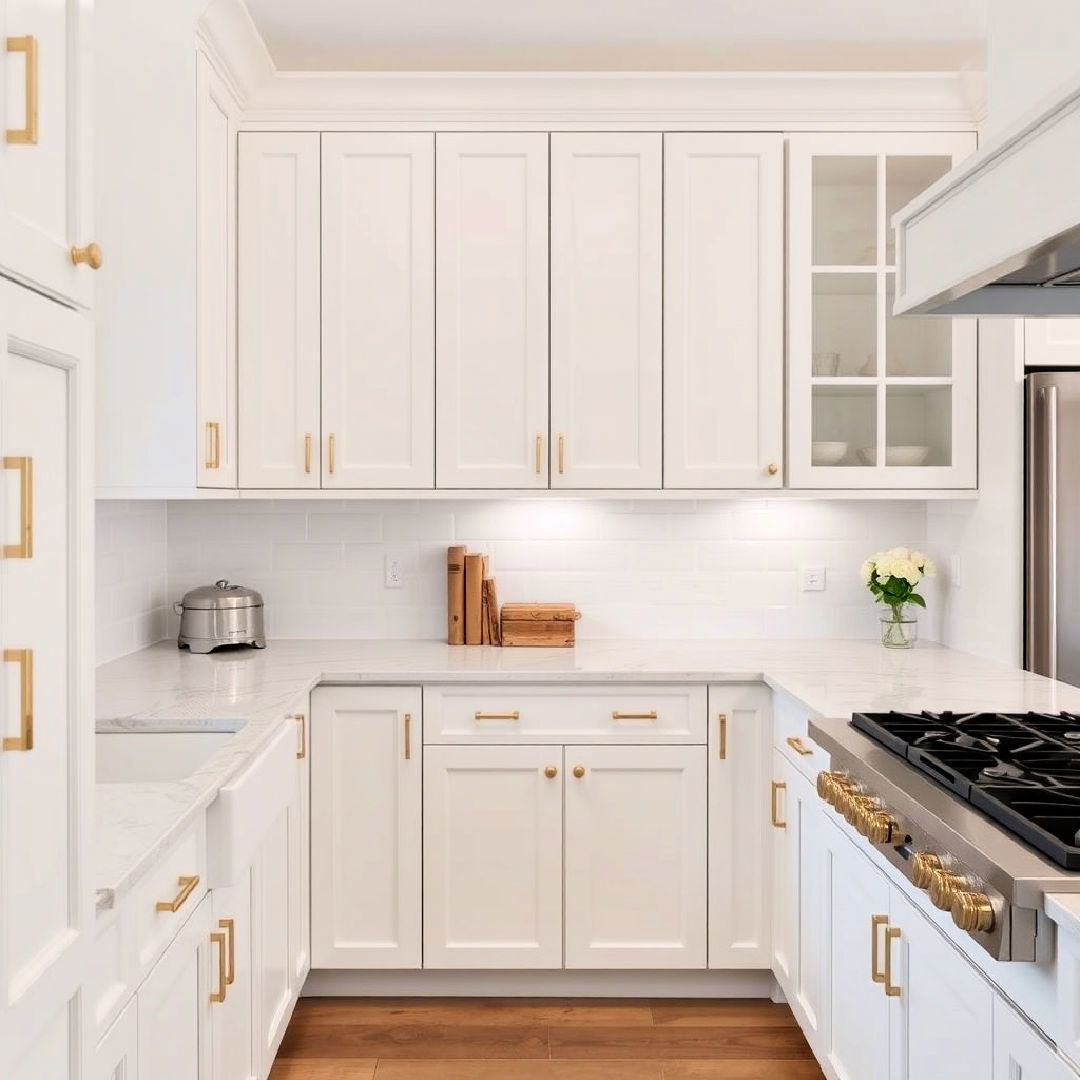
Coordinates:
[622,35]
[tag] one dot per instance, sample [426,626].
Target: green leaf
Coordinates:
[915,598]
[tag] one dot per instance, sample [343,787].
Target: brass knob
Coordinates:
[854,804]
[773,468]
[551,772]
[972,910]
[944,885]
[880,827]
[924,864]
[579,771]
[91,255]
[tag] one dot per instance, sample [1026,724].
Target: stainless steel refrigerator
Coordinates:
[1052,536]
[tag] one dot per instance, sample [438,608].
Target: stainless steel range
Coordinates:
[982,810]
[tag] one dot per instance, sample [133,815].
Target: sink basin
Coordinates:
[158,750]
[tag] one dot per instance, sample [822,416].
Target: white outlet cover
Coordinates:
[812,578]
[393,573]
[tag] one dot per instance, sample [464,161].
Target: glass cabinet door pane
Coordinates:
[918,425]
[844,425]
[906,177]
[844,325]
[845,211]
[915,346]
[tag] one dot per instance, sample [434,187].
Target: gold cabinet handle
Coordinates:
[876,923]
[515,715]
[301,719]
[218,938]
[29,132]
[799,746]
[539,452]
[307,452]
[90,256]
[773,468]
[722,725]
[229,926]
[562,453]
[213,438]
[551,772]
[892,933]
[24,549]
[331,447]
[579,771]
[25,739]
[777,786]
[616,715]
[187,887]
[408,736]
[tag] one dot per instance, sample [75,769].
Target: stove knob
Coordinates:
[831,785]
[944,885]
[880,827]
[924,864]
[855,805]
[972,911]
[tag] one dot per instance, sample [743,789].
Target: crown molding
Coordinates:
[782,101]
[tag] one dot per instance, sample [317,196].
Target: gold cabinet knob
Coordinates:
[944,885]
[579,771]
[773,468]
[90,255]
[880,827]
[924,865]
[972,910]
[551,772]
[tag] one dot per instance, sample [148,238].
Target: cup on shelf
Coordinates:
[825,364]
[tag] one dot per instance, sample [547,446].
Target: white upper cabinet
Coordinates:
[1050,342]
[723,310]
[606,309]
[278,316]
[45,158]
[377,310]
[874,401]
[491,304]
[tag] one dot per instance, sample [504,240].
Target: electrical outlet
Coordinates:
[954,571]
[812,578]
[393,573]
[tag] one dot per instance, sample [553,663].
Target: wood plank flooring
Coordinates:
[542,1039]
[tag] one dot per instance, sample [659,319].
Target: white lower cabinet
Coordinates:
[231,982]
[1020,1053]
[117,1054]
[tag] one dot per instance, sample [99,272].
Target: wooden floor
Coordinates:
[550,1039]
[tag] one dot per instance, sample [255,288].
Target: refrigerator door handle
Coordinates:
[1042,538]
[1050,428]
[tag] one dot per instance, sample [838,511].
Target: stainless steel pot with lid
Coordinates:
[220,614]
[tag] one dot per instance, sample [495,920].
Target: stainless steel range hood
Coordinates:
[1000,234]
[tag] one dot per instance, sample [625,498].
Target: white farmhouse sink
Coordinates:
[169,750]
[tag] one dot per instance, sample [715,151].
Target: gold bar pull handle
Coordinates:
[892,933]
[187,887]
[408,736]
[29,132]
[24,549]
[307,452]
[562,453]
[217,996]
[229,926]
[515,715]
[650,715]
[539,452]
[722,736]
[876,923]
[213,439]
[301,719]
[25,739]
[799,746]
[331,451]
[777,822]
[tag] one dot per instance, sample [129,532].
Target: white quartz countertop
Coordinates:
[832,678]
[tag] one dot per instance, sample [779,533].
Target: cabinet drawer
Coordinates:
[645,713]
[790,724]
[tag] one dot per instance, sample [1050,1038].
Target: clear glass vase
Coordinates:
[899,627]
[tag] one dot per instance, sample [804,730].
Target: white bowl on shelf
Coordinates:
[827,453]
[896,456]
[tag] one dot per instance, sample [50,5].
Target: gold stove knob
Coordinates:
[944,885]
[972,910]
[880,827]
[923,866]
[855,805]
[830,785]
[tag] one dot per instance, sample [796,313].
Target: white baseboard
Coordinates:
[631,984]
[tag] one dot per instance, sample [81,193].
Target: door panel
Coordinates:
[230,1020]
[272,960]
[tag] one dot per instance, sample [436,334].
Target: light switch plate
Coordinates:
[812,578]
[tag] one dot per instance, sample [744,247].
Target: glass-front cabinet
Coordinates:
[874,401]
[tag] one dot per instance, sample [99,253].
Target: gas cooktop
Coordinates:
[1020,769]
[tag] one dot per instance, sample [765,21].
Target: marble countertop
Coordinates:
[135,822]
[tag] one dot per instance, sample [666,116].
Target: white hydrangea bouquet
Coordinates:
[892,577]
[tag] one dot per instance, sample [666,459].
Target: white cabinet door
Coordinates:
[1052,342]
[300,856]
[493,849]
[723,310]
[278,314]
[174,1004]
[785,873]
[230,981]
[378,305]
[491,310]
[117,1054]
[606,309]
[46,781]
[1020,1053]
[45,160]
[636,853]
[940,1003]
[366,827]
[738,814]
[215,209]
[856,920]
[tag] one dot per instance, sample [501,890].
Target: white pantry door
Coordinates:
[636,821]
[606,309]
[366,756]
[378,309]
[491,310]
[278,317]
[723,310]
[46,153]
[493,849]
